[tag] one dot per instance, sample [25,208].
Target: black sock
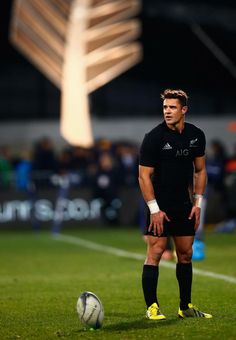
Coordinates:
[184,274]
[149,283]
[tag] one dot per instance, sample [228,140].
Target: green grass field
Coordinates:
[41,278]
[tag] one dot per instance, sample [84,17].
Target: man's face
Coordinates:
[173,111]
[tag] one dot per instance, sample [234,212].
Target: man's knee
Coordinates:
[184,256]
[153,257]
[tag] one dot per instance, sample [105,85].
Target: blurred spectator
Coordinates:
[215,160]
[80,158]
[23,170]
[80,163]
[215,192]
[103,145]
[105,187]
[44,163]
[229,224]
[127,155]
[215,165]
[5,167]
[65,163]
[230,165]
[67,174]
[44,166]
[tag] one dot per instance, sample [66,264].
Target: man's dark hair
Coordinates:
[176,94]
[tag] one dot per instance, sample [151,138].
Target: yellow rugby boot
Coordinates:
[192,312]
[154,313]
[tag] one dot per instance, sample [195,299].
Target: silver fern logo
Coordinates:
[193,142]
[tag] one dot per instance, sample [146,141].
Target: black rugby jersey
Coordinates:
[171,154]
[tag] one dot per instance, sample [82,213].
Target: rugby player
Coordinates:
[172,179]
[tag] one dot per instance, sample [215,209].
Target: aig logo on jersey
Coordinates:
[182,152]
[179,152]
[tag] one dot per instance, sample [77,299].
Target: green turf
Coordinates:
[41,279]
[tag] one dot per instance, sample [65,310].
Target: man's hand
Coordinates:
[157,222]
[196,211]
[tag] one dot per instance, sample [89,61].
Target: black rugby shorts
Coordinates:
[179,224]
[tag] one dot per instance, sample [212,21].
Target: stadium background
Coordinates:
[124,109]
[41,276]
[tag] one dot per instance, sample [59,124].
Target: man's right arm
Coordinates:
[145,182]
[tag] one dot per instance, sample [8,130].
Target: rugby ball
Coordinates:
[90,310]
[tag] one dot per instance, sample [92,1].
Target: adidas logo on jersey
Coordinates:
[167,146]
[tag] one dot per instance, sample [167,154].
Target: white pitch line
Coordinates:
[124,253]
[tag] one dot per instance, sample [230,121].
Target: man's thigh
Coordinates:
[156,243]
[183,244]
[155,249]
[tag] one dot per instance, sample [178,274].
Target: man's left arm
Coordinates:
[200,179]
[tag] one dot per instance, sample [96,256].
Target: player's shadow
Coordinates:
[139,324]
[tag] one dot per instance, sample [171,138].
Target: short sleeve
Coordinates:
[148,152]
[200,150]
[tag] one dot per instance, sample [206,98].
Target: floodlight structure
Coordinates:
[80,45]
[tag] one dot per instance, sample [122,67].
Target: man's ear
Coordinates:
[184,109]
